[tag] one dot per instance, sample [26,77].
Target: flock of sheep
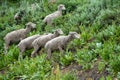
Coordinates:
[50,41]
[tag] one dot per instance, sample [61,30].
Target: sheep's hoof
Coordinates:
[48,57]
[20,57]
[32,56]
[5,52]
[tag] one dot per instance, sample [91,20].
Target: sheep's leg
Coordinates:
[49,22]
[48,54]
[38,51]
[61,50]
[43,26]
[21,53]
[7,46]
[21,39]
[35,51]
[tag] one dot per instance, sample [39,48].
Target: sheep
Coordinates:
[41,41]
[59,43]
[18,16]
[18,35]
[26,43]
[48,19]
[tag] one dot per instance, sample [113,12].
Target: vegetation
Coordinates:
[97,21]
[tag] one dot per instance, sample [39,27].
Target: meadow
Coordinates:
[95,56]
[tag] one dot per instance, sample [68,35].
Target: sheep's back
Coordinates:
[15,35]
[54,43]
[52,16]
[55,14]
[41,41]
[28,41]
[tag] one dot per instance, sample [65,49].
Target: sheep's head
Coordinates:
[21,13]
[74,35]
[61,7]
[58,32]
[31,25]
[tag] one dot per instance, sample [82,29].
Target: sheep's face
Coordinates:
[74,35]
[61,7]
[59,31]
[31,25]
[21,13]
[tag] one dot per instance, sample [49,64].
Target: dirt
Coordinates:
[92,74]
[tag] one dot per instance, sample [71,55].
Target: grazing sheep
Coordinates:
[48,19]
[27,43]
[41,41]
[18,35]
[59,43]
[18,16]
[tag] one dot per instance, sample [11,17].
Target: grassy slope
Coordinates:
[96,21]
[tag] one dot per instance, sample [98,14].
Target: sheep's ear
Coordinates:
[53,31]
[77,35]
[71,33]
[58,29]
[60,6]
[26,24]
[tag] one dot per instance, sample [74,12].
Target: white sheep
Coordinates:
[48,19]
[26,43]
[18,16]
[60,43]
[18,35]
[41,41]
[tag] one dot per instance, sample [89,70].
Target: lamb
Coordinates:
[18,16]
[27,43]
[18,35]
[41,41]
[48,19]
[59,43]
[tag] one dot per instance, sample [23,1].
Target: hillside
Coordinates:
[95,56]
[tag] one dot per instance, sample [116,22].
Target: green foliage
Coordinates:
[115,63]
[29,68]
[67,59]
[69,76]
[97,22]
[101,66]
